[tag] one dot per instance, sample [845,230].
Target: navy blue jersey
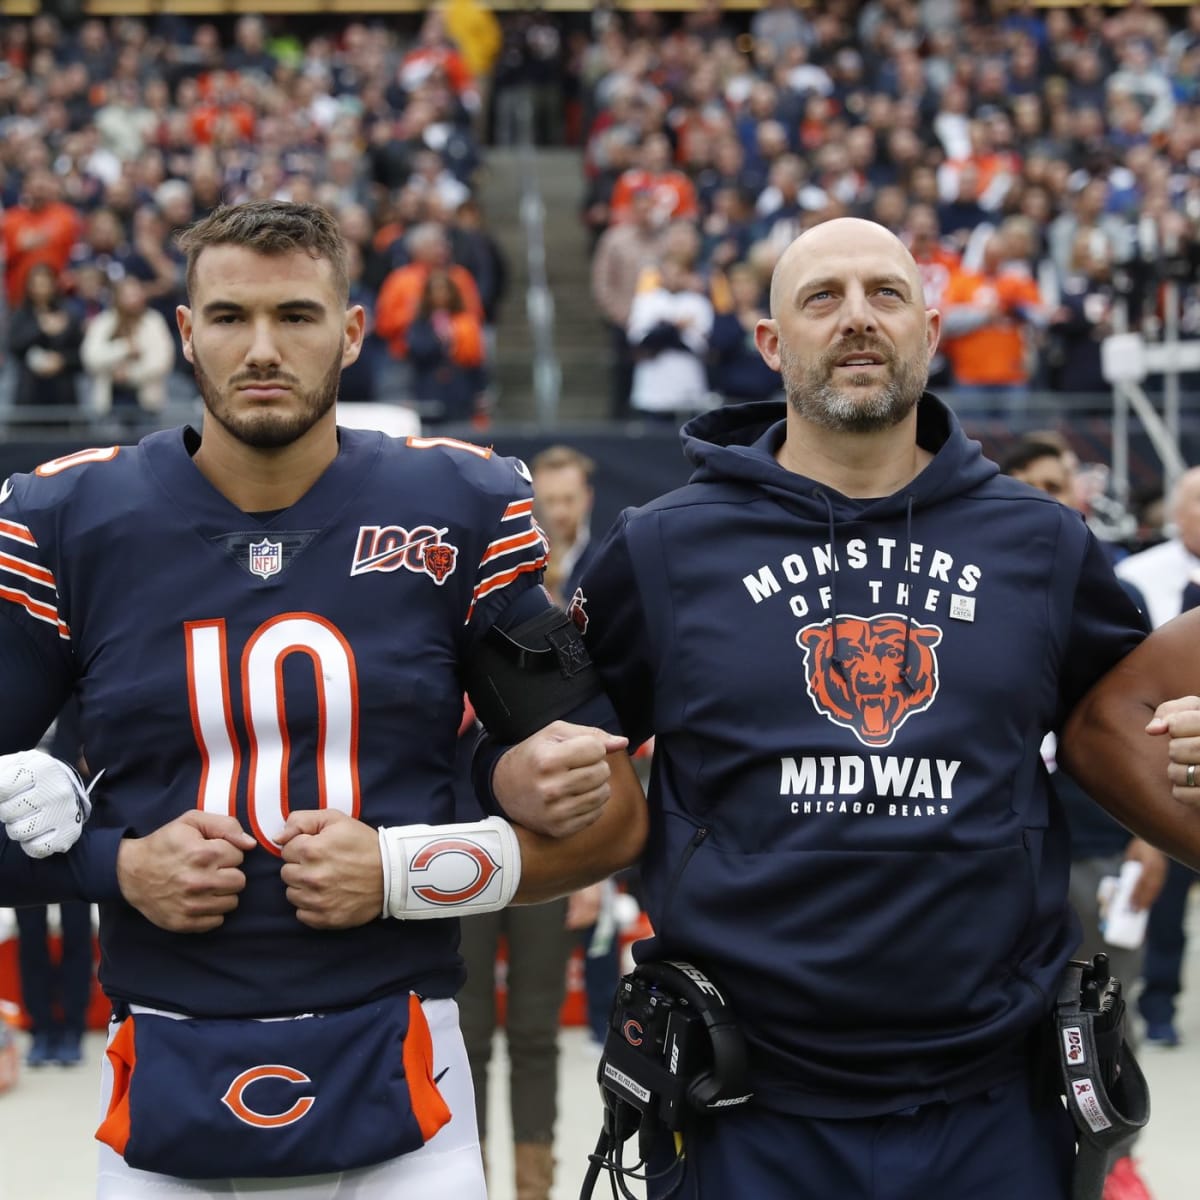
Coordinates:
[851,825]
[254,666]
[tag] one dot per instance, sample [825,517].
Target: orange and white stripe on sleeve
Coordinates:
[518,547]
[24,581]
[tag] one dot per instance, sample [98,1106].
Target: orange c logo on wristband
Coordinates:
[485,868]
[235,1102]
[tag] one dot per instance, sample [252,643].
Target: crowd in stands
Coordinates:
[114,135]
[1043,164]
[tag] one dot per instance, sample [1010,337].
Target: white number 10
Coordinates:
[265,706]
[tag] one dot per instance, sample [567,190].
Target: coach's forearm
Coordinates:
[552,867]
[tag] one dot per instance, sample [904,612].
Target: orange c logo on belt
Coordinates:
[235,1102]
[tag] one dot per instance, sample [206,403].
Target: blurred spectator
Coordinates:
[44,337]
[402,291]
[249,54]
[1142,80]
[780,25]
[1162,572]
[475,249]
[669,327]
[527,81]
[1085,213]
[937,263]
[128,352]
[435,57]
[1084,317]
[125,123]
[672,192]
[562,485]
[445,347]
[360,382]
[623,253]
[39,229]
[986,325]
[153,257]
[738,372]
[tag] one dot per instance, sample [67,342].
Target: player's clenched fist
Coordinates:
[332,868]
[187,875]
[1180,720]
[43,803]
[556,782]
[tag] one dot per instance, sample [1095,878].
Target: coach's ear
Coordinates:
[766,338]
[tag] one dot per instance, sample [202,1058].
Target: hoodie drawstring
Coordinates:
[906,673]
[840,666]
[833,596]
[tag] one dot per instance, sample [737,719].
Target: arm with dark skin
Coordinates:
[1121,754]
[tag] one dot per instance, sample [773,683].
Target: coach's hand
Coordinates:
[187,875]
[43,803]
[556,782]
[332,868]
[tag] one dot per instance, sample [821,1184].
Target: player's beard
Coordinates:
[265,428]
[812,394]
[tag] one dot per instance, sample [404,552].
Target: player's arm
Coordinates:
[551,736]
[46,856]
[1109,744]
[340,873]
[185,876]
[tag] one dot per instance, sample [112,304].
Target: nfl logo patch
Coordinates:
[266,558]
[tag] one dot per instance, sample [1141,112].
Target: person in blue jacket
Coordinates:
[849,635]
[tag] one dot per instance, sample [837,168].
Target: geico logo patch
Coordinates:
[235,1098]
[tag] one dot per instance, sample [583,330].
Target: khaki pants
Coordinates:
[539,945]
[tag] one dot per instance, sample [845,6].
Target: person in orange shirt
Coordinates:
[445,347]
[674,194]
[989,318]
[401,292]
[41,229]
[937,263]
[221,111]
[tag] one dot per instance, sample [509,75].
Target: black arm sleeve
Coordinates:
[523,677]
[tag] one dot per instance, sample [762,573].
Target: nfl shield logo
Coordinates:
[266,558]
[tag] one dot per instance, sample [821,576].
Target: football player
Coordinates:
[269,622]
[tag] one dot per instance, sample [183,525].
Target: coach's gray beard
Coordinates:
[812,395]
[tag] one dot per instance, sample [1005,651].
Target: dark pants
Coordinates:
[1166,940]
[539,945]
[994,1146]
[50,989]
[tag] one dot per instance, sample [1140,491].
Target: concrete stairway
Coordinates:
[581,342]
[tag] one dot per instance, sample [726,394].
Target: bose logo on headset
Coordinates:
[724,1082]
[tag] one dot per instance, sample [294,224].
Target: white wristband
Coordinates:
[449,870]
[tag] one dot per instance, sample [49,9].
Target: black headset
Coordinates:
[726,1083]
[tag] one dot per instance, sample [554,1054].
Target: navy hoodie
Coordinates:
[851,825]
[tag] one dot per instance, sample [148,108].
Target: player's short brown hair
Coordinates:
[270,227]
